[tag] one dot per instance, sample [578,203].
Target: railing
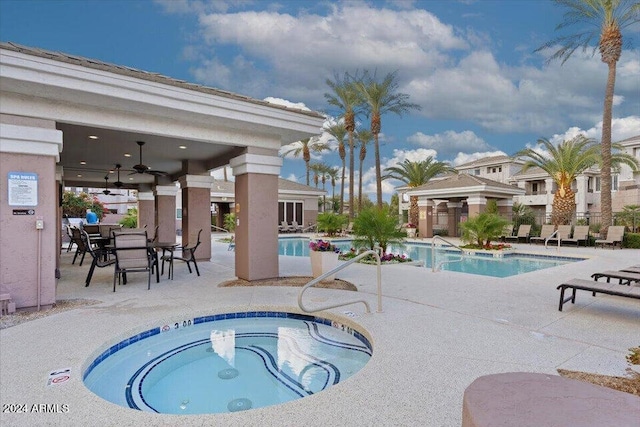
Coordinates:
[214,227]
[309,227]
[435,268]
[335,270]
[546,241]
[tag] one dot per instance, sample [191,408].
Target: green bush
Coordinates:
[375,227]
[483,228]
[331,223]
[631,241]
[230,222]
[130,220]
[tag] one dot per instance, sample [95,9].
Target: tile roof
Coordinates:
[463,180]
[140,74]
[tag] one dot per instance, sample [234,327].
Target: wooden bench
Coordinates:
[596,287]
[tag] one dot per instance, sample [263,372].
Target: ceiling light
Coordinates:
[82,162]
[182,147]
[130,179]
[93,137]
[79,175]
[127,155]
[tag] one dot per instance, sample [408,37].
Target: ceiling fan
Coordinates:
[118,184]
[142,168]
[106,190]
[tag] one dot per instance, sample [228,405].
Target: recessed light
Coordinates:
[82,162]
[182,147]
[79,175]
[127,155]
[130,179]
[93,137]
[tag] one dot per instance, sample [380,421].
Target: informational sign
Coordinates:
[24,212]
[23,188]
[59,376]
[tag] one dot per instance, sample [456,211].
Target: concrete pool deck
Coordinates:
[437,333]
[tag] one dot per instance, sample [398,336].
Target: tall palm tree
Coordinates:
[603,19]
[347,98]
[382,97]
[564,163]
[364,137]
[332,174]
[415,174]
[305,147]
[338,132]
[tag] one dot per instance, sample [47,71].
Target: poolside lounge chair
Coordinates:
[283,227]
[523,233]
[188,253]
[547,230]
[615,234]
[632,269]
[595,287]
[624,277]
[507,231]
[580,234]
[563,232]
[132,255]
[295,228]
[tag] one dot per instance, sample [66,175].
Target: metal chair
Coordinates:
[132,255]
[100,259]
[188,255]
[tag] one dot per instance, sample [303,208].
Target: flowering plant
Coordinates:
[323,246]
[409,225]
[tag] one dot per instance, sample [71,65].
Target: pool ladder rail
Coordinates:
[335,270]
[546,241]
[435,267]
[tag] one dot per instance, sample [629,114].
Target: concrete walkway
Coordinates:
[437,333]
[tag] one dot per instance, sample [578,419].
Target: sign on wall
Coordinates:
[23,188]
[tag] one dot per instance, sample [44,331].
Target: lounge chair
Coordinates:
[545,233]
[595,287]
[632,269]
[580,234]
[132,255]
[507,232]
[615,234]
[283,227]
[523,233]
[99,258]
[295,228]
[623,277]
[563,232]
[188,254]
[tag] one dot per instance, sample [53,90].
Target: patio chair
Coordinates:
[132,255]
[615,234]
[81,245]
[283,227]
[564,231]
[580,234]
[70,235]
[99,258]
[523,233]
[188,254]
[295,227]
[546,232]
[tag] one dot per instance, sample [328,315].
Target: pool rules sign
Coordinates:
[23,188]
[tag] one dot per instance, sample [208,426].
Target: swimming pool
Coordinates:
[485,264]
[227,363]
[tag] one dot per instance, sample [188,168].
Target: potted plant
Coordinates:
[411,230]
[324,257]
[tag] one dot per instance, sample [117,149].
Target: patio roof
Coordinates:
[464,185]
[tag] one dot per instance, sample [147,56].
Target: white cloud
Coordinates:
[621,129]
[450,142]
[292,177]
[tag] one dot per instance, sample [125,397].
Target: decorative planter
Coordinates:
[411,232]
[322,262]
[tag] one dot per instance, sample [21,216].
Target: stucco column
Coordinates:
[425,218]
[548,185]
[29,150]
[581,195]
[505,208]
[147,210]
[256,197]
[165,212]
[196,213]
[453,210]
[476,204]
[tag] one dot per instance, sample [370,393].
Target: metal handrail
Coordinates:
[335,270]
[546,241]
[219,228]
[435,268]
[309,227]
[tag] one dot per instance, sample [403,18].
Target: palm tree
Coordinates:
[382,97]
[364,137]
[415,174]
[305,147]
[332,173]
[347,98]
[316,169]
[482,229]
[338,132]
[604,19]
[564,163]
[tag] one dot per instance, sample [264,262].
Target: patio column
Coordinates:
[425,218]
[453,210]
[165,211]
[147,210]
[196,212]
[256,197]
[477,205]
[30,224]
[548,185]
[505,208]
[582,204]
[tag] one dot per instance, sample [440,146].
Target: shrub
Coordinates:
[76,205]
[375,227]
[631,241]
[230,222]
[482,229]
[130,220]
[331,223]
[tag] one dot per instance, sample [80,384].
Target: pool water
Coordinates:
[221,363]
[510,264]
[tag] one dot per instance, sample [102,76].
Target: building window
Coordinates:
[179,213]
[534,188]
[476,171]
[290,211]
[597,186]
[614,182]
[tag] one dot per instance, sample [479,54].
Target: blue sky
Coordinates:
[470,64]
